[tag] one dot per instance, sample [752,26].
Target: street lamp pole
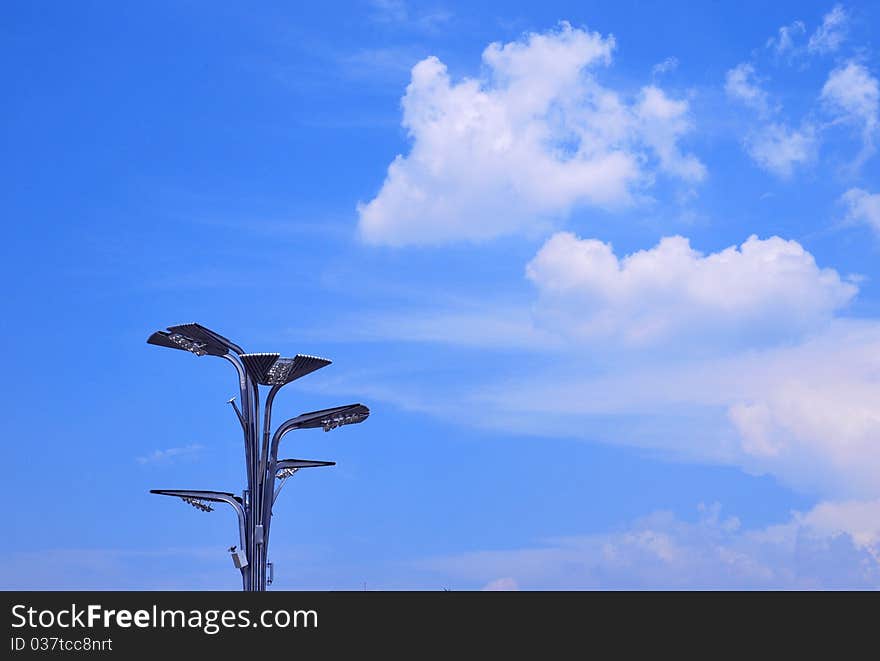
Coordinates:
[262,468]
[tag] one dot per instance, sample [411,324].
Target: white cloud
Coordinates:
[767,286]
[807,413]
[830,35]
[858,519]
[827,38]
[732,358]
[471,325]
[791,423]
[835,545]
[862,207]
[741,84]
[501,585]
[170,454]
[663,122]
[667,65]
[783,43]
[516,150]
[778,148]
[399,14]
[390,10]
[853,94]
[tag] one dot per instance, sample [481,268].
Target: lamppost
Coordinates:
[263,469]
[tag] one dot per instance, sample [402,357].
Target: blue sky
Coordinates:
[604,272]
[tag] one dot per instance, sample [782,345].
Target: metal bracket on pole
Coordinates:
[239,559]
[237,412]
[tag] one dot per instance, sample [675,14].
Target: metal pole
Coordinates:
[246,390]
[265,486]
[253,513]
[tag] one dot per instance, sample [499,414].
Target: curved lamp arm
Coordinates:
[327,419]
[245,388]
[214,497]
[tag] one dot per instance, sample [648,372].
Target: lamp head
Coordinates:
[270,369]
[194,338]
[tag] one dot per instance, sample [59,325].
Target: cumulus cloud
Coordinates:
[517,149]
[778,148]
[741,84]
[763,286]
[831,34]
[799,421]
[862,207]
[737,357]
[733,357]
[834,545]
[853,95]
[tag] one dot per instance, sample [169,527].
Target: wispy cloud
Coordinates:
[835,545]
[171,454]
[781,149]
[831,33]
[783,44]
[400,14]
[667,65]
[849,96]
[741,84]
[852,95]
[144,568]
[828,37]
[862,207]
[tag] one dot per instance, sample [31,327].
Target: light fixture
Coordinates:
[340,419]
[193,338]
[328,418]
[206,335]
[286,370]
[270,369]
[302,463]
[288,467]
[192,494]
[177,341]
[198,504]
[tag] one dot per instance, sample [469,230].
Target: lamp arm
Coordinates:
[240,513]
[245,415]
[283,429]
